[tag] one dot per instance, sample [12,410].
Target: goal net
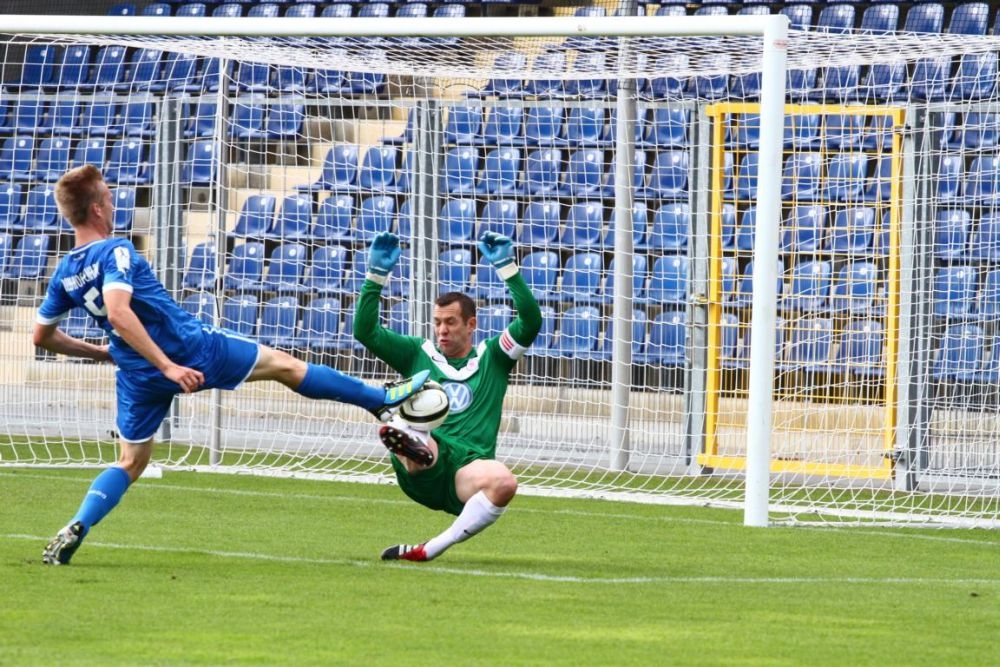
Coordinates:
[252,160]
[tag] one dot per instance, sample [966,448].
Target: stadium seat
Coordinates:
[320,328]
[837,19]
[581,278]
[255,218]
[247,120]
[578,331]
[267,10]
[246,268]
[801,178]
[584,226]
[551,63]
[41,215]
[855,289]
[988,302]
[63,119]
[30,258]
[845,178]
[727,226]
[200,273]
[585,127]
[450,11]
[804,229]
[960,354]
[883,83]
[327,269]
[108,70]
[228,9]
[668,176]
[667,128]
[239,314]
[80,325]
[491,320]
[124,203]
[982,184]
[454,270]
[457,221]
[127,163]
[339,171]
[375,214]
[37,69]
[11,196]
[639,327]
[201,165]
[500,216]
[294,219]
[99,118]
[52,159]
[284,121]
[463,125]
[542,169]
[546,338]
[976,77]
[668,281]
[540,223]
[200,305]
[89,151]
[212,74]
[503,126]
[335,219]
[501,171]
[595,63]
[955,289]
[121,9]
[365,83]
[543,126]
[460,166]
[142,71]
[710,86]
[488,285]
[852,230]
[285,268]
[638,173]
[582,178]
[510,65]
[29,114]
[639,274]
[746,177]
[930,78]
[73,67]
[377,173]
[952,229]
[16,155]
[924,17]
[180,74]
[843,132]
[980,131]
[880,18]
[839,83]
[190,9]
[809,287]
[746,233]
[860,351]
[810,343]
[969,18]
[670,228]
[667,343]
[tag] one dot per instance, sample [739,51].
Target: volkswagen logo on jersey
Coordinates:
[459,396]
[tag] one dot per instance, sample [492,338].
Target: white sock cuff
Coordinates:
[481,501]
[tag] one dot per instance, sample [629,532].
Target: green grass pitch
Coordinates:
[203,569]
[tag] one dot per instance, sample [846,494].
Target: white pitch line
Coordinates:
[529,576]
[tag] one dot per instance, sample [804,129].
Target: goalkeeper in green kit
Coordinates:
[453,469]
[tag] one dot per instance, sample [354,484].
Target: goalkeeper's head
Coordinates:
[454,324]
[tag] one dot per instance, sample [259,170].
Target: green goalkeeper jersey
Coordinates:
[475,384]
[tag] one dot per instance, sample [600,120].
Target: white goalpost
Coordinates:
[749,251]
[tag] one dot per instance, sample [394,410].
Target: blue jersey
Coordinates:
[83,276]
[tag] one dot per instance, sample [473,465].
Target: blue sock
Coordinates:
[105,492]
[327,383]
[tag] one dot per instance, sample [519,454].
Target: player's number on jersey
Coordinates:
[90,303]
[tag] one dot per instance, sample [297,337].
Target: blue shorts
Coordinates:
[144,395]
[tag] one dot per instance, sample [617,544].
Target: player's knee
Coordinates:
[504,487]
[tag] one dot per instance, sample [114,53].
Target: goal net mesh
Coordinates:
[253,172]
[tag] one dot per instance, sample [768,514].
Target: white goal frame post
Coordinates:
[773,32]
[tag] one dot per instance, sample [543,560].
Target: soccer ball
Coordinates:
[427,409]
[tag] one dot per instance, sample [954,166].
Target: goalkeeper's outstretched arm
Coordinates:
[499,251]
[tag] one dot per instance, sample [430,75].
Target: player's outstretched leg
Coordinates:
[401,443]
[397,392]
[411,552]
[64,544]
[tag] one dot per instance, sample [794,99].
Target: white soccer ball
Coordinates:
[427,409]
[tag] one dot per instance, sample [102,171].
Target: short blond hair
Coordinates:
[76,190]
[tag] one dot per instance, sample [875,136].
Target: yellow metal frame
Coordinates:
[711,457]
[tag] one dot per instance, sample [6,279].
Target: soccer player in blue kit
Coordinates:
[160,350]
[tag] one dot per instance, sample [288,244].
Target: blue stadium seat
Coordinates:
[457,221]
[29,115]
[540,223]
[952,230]
[839,83]
[883,83]
[969,18]
[551,63]
[585,127]
[463,124]
[809,287]
[955,289]
[488,285]
[667,128]
[269,10]
[335,219]
[746,233]
[375,214]
[638,173]
[16,155]
[930,79]
[801,131]
[976,77]
[200,305]
[855,290]
[924,17]
[860,351]
[121,9]
[445,12]
[581,278]
[327,270]
[727,226]
[810,343]
[500,216]
[639,327]
[41,215]
[284,120]
[460,166]
[285,268]
[986,238]
[37,69]
[256,216]
[852,230]
[301,11]
[801,178]
[190,9]
[880,18]
[746,177]
[339,172]
[948,180]
[668,281]
[246,268]
[246,121]
[52,159]
[543,126]
[365,83]
[804,229]
[213,76]
[127,163]
[63,119]
[72,69]
[11,199]
[455,270]
[542,169]
[960,354]
[582,178]
[491,320]
[89,151]
[108,70]
[584,226]
[503,126]
[30,258]
[79,324]
[843,132]
[201,270]
[640,224]
[294,219]
[837,19]
[289,80]
[668,176]
[988,301]
[99,118]
[142,71]
[982,183]
[228,9]
[980,131]
[501,171]
[512,62]
[667,343]
[320,327]
[711,86]
[728,272]
[595,63]
[180,74]
[239,314]
[201,165]
[579,329]
[670,228]
[639,273]
[377,173]
[124,204]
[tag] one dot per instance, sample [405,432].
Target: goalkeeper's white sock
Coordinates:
[477,515]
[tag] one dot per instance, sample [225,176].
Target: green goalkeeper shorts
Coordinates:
[435,487]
